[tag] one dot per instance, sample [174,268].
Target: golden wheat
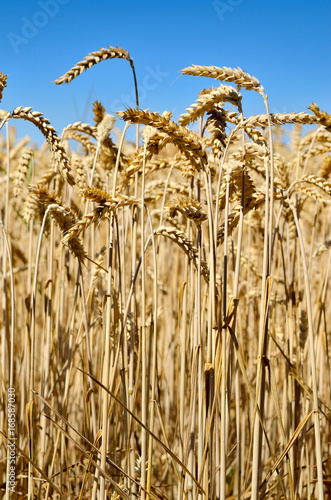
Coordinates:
[93,58]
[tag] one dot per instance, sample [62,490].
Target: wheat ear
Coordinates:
[322,116]
[279,119]
[3,84]
[107,205]
[189,207]
[51,136]
[207,100]
[235,75]
[185,244]
[63,216]
[188,142]
[22,171]
[93,58]
[315,184]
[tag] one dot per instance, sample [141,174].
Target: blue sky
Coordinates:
[285,44]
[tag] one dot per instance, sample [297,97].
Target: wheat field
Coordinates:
[165,318]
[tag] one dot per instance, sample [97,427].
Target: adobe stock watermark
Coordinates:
[31,27]
[11,455]
[151,80]
[224,6]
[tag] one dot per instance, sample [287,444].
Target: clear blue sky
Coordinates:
[285,44]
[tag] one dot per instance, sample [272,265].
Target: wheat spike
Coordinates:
[279,119]
[98,112]
[88,145]
[3,84]
[188,142]
[316,184]
[322,116]
[80,171]
[187,245]
[252,202]
[85,128]
[22,172]
[63,216]
[92,59]
[323,248]
[207,100]
[303,331]
[190,208]
[104,127]
[325,169]
[235,75]
[107,204]
[51,136]
[155,145]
